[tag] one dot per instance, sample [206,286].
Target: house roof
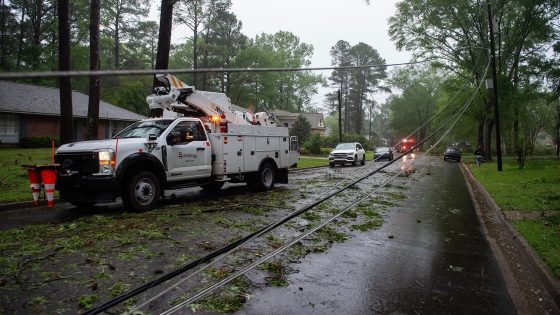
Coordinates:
[315,119]
[32,99]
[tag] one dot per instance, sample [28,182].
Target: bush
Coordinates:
[313,144]
[544,150]
[325,151]
[38,142]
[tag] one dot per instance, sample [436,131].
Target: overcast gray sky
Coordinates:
[320,23]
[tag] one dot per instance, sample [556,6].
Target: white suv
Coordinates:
[347,153]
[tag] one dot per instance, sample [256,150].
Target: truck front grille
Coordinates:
[83,163]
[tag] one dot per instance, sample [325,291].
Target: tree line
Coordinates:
[127,39]
[456,33]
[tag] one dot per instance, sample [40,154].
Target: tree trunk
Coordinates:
[66,120]
[488,138]
[480,133]
[517,145]
[116,41]
[205,59]
[164,37]
[557,128]
[195,44]
[21,31]
[2,37]
[36,40]
[93,103]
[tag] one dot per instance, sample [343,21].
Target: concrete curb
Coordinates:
[24,204]
[548,280]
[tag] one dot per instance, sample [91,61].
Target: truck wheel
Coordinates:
[213,186]
[364,159]
[355,160]
[142,192]
[263,179]
[331,164]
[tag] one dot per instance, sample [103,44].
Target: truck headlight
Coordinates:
[107,162]
[350,153]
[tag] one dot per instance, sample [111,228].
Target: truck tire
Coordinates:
[355,160]
[142,192]
[363,159]
[263,179]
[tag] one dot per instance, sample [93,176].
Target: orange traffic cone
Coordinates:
[49,179]
[35,183]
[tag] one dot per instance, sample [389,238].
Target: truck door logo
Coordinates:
[187,155]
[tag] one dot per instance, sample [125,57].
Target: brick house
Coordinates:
[28,110]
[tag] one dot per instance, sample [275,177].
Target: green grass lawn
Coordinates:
[14,185]
[535,192]
[310,161]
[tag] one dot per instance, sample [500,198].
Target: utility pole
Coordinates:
[495,88]
[339,116]
[370,114]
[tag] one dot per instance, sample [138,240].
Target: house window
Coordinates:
[9,125]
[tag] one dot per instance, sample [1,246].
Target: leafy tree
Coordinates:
[121,18]
[357,86]
[8,38]
[418,101]
[340,57]
[191,13]
[455,33]
[275,90]
[301,128]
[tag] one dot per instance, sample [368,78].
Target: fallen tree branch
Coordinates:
[24,263]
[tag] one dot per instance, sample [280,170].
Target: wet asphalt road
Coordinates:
[430,257]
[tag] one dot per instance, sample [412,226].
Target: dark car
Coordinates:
[452,153]
[383,153]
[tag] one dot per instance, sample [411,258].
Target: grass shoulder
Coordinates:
[530,199]
[13,178]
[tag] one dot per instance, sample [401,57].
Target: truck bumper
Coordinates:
[75,188]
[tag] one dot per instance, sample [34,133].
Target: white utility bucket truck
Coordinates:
[198,140]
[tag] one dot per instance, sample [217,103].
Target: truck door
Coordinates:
[188,152]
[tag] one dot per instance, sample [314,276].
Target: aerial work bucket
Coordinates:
[48,176]
[34,176]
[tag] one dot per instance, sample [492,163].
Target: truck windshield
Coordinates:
[142,129]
